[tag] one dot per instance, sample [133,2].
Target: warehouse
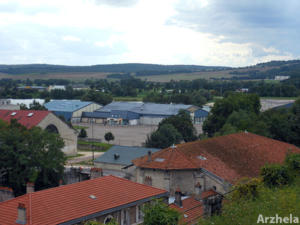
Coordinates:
[139,113]
[71,110]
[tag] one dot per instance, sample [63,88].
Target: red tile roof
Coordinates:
[65,203]
[191,210]
[22,116]
[230,157]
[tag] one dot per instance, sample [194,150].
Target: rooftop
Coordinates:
[123,155]
[78,202]
[230,157]
[66,105]
[145,108]
[28,118]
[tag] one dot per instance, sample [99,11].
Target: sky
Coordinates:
[200,32]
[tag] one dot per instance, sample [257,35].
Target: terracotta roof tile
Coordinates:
[28,118]
[230,157]
[64,203]
[191,210]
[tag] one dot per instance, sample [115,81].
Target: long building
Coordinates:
[139,113]
[71,110]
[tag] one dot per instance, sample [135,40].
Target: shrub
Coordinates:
[82,133]
[275,175]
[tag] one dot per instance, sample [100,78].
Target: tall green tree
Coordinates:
[223,108]
[182,122]
[158,213]
[165,136]
[30,155]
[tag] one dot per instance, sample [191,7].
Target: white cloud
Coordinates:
[100,31]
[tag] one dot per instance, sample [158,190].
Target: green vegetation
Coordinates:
[104,146]
[85,163]
[32,155]
[158,213]
[172,130]
[74,156]
[79,127]
[240,112]
[257,197]
[82,133]
[109,137]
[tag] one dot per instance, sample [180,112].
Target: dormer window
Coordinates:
[13,113]
[30,114]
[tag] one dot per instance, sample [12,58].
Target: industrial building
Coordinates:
[71,110]
[139,113]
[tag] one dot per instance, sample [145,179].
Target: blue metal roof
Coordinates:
[66,105]
[145,108]
[124,154]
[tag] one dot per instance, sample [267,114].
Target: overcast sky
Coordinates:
[202,32]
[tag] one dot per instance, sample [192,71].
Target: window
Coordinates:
[108,219]
[139,213]
[214,188]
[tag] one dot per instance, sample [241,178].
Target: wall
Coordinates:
[68,134]
[147,120]
[186,180]
[90,108]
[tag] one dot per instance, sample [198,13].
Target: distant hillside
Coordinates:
[140,69]
[152,72]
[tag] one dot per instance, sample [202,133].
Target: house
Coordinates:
[100,199]
[118,159]
[71,110]
[280,78]
[215,163]
[139,113]
[45,120]
[38,88]
[192,208]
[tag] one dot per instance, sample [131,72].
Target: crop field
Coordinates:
[67,76]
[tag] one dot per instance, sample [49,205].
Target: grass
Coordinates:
[79,127]
[104,146]
[86,163]
[74,156]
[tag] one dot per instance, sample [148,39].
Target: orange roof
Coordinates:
[230,157]
[191,209]
[28,118]
[74,201]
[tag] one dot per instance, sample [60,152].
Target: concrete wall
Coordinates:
[90,108]
[147,120]
[186,180]
[68,134]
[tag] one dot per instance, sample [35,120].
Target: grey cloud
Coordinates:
[267,23]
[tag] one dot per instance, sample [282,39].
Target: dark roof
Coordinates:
[28,118]
[77,201]
[125,154]
[230,157]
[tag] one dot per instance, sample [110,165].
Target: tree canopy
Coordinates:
[30,155]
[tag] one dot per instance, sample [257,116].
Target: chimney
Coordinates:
[60,182]
[178,200]
[198,190]
[95,173]
[21,214]
[149,156]
[29,187]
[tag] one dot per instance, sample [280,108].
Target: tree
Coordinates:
[158,213]
[30,155]
[33,106]
[223,108]
[98,97]
[109,136]
[165,136]
[112,222]
[82,133]
[182,122]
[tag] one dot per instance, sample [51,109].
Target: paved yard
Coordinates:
[124,135]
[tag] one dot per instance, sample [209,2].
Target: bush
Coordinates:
[109,137]
[275,175]
[82,133]
[246,189]
[293,162]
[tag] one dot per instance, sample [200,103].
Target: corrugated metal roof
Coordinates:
[125,154]
[66,105]
[145,108]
